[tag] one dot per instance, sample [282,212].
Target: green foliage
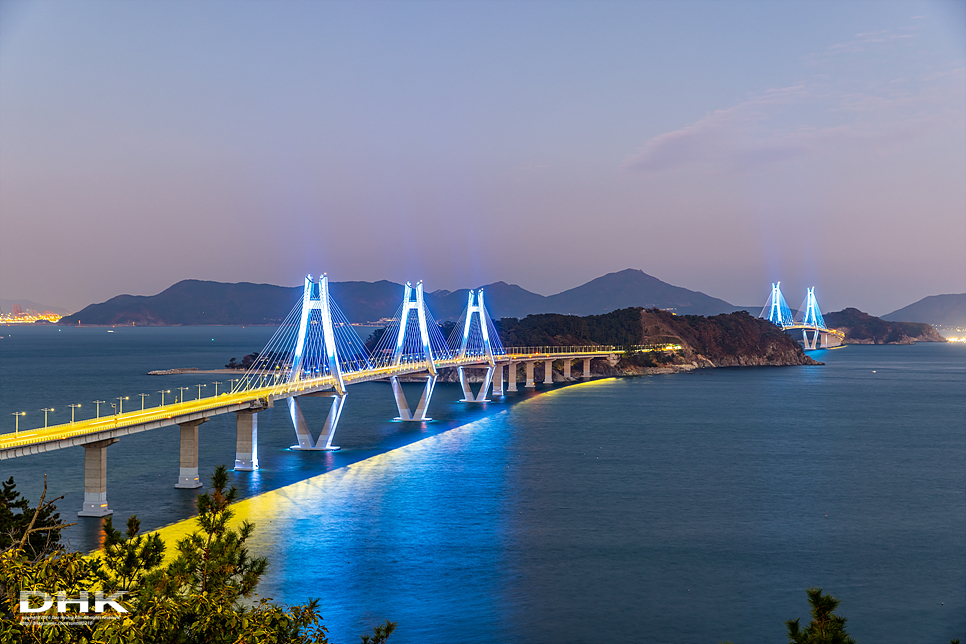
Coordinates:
[733,336]
[374,338]
[129,557]
[36,530]
[619,328]
[204,596]
[825,627]
[215,559]
[380,634]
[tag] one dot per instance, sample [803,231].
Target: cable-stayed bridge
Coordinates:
[808,320]
[316,353]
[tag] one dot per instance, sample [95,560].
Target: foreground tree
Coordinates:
[204,596]
[35,530]
[380,634]
[825,627]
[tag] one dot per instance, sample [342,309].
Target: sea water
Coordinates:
[676,508]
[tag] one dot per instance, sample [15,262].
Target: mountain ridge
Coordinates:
[204,302]
[947,310]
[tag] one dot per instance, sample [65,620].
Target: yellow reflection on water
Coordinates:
[303,499]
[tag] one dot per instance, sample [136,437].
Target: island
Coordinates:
[862,328]
[725,340]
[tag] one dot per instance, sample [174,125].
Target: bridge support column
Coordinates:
[246,441]
[810,344]
[512,375]
[498,380]
[188,474]
[403,406]
[530,384]
[324,443]
[566,368]
[548,372]
[95,479]
[465,384]
[586,367]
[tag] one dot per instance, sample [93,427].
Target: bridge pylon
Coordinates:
[320,354]
[812,320]
[412,340]
[776,309]
[309,356]
[813,315]
[476,337]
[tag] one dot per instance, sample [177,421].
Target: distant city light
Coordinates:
[19,316]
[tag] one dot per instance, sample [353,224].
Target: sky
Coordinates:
[717,145]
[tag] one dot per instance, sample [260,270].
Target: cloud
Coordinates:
[830,112]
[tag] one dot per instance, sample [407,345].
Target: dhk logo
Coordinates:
[82,601]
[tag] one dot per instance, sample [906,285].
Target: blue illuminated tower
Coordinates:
[778,311]
[813,316]
[478,338]
[423,353]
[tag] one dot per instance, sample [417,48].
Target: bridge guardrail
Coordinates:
[556,350]
[268,388]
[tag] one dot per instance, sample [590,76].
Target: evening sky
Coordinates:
[717,145]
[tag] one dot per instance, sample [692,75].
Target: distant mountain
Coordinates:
[627,288]
[862,328]
[502,301]
[632,287]
[196,302]
[940,310]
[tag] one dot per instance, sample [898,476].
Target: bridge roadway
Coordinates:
[95,435]
[822,338]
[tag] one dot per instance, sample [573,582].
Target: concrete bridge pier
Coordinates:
[566,368]
[324,442]
[188,474]
[95,479]
[246,441]
[530,384]
[403,405]
[586,368]
[548,372]
[512,375]
[815,340]
[465,384]
[498,380]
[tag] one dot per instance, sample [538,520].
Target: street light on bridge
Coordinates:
[143,396]
[18,414]
[182,390]
[98,403]
[199,390]
[72,409]
[46,410]
[162,392]
[216,383]
[121,400]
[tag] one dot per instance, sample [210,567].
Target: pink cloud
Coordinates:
[813,118]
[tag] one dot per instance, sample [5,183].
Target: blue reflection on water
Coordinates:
[663,509]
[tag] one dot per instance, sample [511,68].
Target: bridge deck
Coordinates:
[54,437]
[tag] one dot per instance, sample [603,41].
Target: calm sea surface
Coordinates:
[682,508]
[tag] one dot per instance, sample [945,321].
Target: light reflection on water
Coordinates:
[684,508]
